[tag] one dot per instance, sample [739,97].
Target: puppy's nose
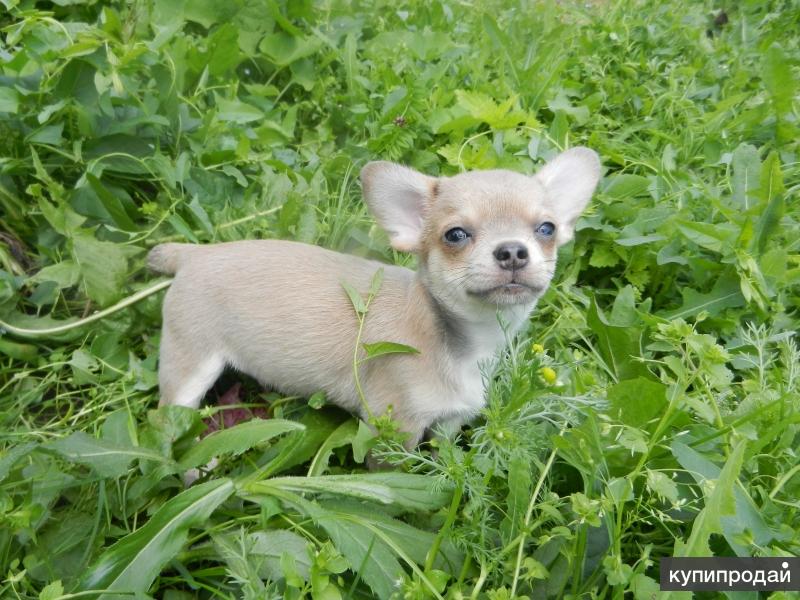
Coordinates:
[511,255]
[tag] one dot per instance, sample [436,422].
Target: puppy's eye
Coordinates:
[546,229]
[456,235]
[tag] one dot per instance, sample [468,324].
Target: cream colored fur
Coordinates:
[277,311]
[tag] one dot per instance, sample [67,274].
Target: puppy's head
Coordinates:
[485,239]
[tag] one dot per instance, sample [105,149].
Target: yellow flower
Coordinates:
[538,348]
[548,374]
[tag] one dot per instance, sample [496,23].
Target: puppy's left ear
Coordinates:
[569,181]
[399,199]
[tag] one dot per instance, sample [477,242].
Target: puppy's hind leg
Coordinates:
[186,371]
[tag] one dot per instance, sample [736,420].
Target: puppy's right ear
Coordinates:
[399,198]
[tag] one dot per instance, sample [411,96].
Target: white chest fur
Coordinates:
[471,372]
[470,396]
[461,392]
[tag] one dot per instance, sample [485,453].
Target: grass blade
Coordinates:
[133,563]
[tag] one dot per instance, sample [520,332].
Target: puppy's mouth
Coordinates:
[511,292]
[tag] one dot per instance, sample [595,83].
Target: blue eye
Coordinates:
[546,229]
[456,235]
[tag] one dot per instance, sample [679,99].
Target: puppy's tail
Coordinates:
[166,258]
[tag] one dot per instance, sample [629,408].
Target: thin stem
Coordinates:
[529,513]
[451,517]
[481,580]
[132,299]
[356,362]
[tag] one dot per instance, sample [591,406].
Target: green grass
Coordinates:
[670,427]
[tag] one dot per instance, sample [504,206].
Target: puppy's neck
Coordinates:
[471,334]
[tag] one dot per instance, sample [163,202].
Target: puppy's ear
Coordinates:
[399,198]
[569,181]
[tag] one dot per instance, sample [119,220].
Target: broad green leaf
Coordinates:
[50,134]
[782,87]
[49,110]
[103,266]
[415,543]
[377,282]
[719,502]
[369,541]
[367,553]
[772,194]
[121,152]
[624,312]
[298,447]
[235,549]
[166,19]
[619,346]
[106,458]
[223,50]
[625,186]
[405,490]
[381,348]
[644,588]
[349,58]
[355,298]
[663,485]
[10,457]
[477,104]
[304,73]
[117,428]
[746,166]
[726,293]
[132,563]
[639,239]
[111,203]
[61,218]
[9,100]
[271,544]
[341,436]
[65,274]
[23,352]
[562,103]
[363,441]
[636,402]
[200,215]
[236,440]
[52,591]
[534,569]
[237,111]
[483,108]
[620,490]
[284,49]
[519,491]
[182,227]
[171,423]
[745,517]
[717,238]
[210,12]
[603,256]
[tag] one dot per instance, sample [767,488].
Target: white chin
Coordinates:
[509,295]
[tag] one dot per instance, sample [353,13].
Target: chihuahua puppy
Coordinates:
[486,243]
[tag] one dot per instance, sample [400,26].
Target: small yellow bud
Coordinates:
[538,348]
[548,374]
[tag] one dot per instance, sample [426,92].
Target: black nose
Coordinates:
[511,255]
